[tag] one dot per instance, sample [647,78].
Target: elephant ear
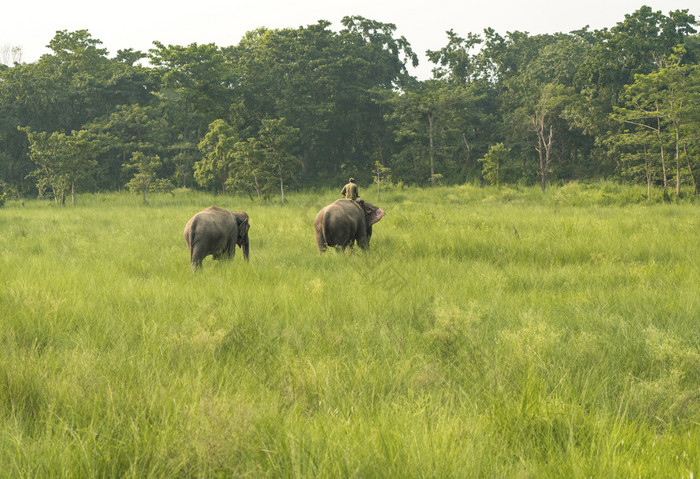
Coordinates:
[373,213]
[243,227]
[366,207]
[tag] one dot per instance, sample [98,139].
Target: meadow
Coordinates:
[487,333]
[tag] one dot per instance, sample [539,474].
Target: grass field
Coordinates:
[488,333]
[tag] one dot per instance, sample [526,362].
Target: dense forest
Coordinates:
[302,107]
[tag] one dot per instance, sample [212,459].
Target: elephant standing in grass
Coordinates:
[345,221]
[216,231]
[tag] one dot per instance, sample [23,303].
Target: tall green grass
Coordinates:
[488,333]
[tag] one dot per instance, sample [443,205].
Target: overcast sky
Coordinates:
[136,24]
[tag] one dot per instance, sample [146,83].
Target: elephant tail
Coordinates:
[321,226]
[191,238]
[326,227]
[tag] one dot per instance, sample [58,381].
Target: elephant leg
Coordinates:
[363,241]
[320,242]
[198,253]
[228,250]
[196,258]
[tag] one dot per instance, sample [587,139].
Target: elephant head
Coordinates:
[372,214]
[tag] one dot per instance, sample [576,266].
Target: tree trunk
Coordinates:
[661,143]
[678,162]
[72,192]
[305,161]
[543,172]
[257,186]
[648,173]
[676,127]
[184,139]
[690,169]
[282,189]
[432,159]
[544,147]
[469,151]
[663,168]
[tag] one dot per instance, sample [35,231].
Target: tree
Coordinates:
[277,139]
[63,161]
[454,62]
[249,167]
[632,147]
[381,176]
[128,129]
[195,80]
[85,84]
[80,150]
[547,98]
[218,148]
[45,151]
[681,96]
[664,102]
[386,55]
[642,111]
[495,163]
[541,122]
[62,92]
[419,112]
[639,44]
[325,84]
[146,169]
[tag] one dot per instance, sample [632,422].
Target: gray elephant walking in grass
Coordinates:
[216,231]
[345,221]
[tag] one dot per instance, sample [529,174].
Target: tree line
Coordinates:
[301,107]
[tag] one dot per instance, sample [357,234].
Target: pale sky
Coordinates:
[136,24]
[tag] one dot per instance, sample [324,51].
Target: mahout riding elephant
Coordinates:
[345,221]
[216,231]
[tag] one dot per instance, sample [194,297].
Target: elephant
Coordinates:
[216,231]
[345,221]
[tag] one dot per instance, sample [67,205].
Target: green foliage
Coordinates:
[146,169]
[548,98]
[250,173]
[62,161]
[382,177]
[218,149]
[460,348]
[277,139]
[495,164]
[659,120]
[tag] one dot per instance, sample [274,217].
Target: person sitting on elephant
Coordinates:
[351,191]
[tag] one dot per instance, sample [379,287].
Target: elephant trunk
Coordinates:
[245,246]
